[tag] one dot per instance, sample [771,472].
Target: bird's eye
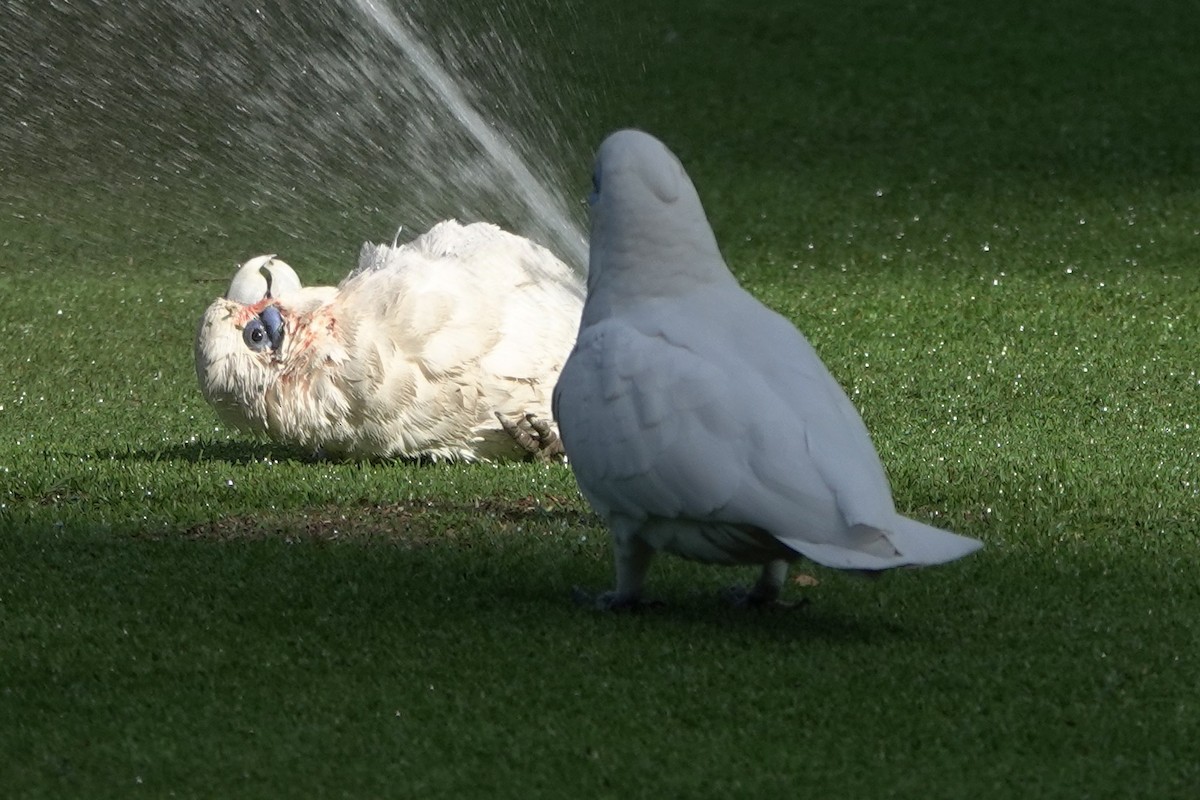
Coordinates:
[595,195]
[255,335]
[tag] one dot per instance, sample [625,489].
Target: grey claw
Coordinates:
[535,436]
[741,597]
[611,601]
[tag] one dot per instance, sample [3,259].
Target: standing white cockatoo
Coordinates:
[702,423]
[446,347]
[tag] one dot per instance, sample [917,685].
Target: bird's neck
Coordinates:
[614,293]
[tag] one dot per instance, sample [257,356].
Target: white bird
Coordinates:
[447,347]
[701,423]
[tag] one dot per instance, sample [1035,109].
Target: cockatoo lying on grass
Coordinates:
[701,423]
[446,347]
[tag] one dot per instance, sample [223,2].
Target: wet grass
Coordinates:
[985,219]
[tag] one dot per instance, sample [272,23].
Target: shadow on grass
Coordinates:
[230,452]
[705,612]
[413,523]
[500,558]
[510,566]
[248,452]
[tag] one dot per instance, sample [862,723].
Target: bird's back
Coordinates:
[444,331]
[725,414]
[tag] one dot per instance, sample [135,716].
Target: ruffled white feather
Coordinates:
[411,355]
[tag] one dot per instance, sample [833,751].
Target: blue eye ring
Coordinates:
[255,335]
[264,331]
[595,195]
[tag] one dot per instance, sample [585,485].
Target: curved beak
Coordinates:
[260,277]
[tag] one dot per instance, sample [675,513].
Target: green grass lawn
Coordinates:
[986,218]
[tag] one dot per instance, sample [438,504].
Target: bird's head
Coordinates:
[242,342]
[648,225]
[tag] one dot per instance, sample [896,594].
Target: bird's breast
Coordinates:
[714,542]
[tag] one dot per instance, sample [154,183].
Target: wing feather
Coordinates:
[636,455]
[769,439]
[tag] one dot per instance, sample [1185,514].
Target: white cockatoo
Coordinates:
[702,423]
[447,347]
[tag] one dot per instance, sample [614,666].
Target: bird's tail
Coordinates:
[922,545]
[907,543]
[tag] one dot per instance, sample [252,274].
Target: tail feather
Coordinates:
[913,544]
[921,545]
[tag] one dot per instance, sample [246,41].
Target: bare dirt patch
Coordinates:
[411,524]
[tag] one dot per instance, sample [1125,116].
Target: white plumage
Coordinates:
[414,354]
[698,421]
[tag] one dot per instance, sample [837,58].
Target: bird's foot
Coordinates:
[612,601]
[535,436]
[741,597]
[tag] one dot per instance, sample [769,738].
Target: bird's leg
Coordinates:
[632,558]
[535,436]
[765,592]
[770,582]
